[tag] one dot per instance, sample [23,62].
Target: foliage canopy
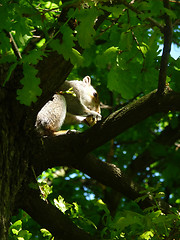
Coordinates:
[126,191]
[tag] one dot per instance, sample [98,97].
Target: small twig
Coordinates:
[104,30]
[15,47]
[50,10]
[139,47]
[166,50]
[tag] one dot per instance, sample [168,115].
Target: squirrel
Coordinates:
[77,102]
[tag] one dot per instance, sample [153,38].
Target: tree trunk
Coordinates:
[13,158]
[17,144]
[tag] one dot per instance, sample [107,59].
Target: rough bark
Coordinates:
[14,157]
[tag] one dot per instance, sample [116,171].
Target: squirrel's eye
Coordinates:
[95,94]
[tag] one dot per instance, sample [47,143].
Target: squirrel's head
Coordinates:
[92,98]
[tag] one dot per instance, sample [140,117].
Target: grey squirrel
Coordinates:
[70,108]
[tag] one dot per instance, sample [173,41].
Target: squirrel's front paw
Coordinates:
[99,117]
[96,116]
[91,120]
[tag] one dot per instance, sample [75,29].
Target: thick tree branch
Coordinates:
[51,218]
[112,176]
[128,116]
[168,31]
[71,150]
[63,150]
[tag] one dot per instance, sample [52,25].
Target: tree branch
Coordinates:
[64,149]
[71,150]
[168,31]
[128,116]
[49,217]
[112,176]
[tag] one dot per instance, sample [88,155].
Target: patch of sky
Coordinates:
[85,176]
[67,178]
[161,179]
[102,159]
[89,196]
[73,175]
[175,51]
[171,196]
[156,174]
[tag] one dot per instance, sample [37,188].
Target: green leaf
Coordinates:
[102,206]
[85,30]
[170,13]
[89,222]
[45,190]
[118,80]
[4,13]
[156,7]
[66,47]
[17,225]
[115,10]
[14,231]
[126,40]
[46,233]
[67,44]
[61,204]
[76,58]
[41,43]
[147,235]
[24,234]
[127,218]
[15,228]
[33,57]
[144,48]
[109,56]
[31,89]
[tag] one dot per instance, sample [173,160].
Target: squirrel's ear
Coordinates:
[87,80]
